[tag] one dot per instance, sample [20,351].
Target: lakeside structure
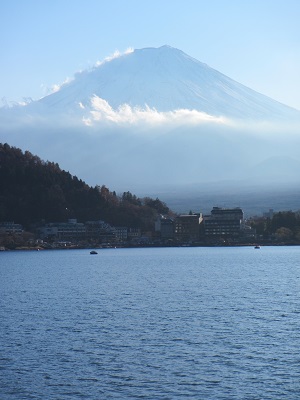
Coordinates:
[10,228]
[224,222]
[223,226]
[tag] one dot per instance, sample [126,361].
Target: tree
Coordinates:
[284,234]
[32,190]
[286,219]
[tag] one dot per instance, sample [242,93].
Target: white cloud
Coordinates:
[55,87]
[116,54]
[101,111]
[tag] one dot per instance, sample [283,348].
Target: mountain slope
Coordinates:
[166,79]
[32,190]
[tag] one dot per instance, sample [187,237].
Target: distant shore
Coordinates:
[76,247]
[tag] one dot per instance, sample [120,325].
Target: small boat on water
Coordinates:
[93,252]
[257,247]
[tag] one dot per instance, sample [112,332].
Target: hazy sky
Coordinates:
[256,42]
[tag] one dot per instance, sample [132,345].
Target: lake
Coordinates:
[155,323]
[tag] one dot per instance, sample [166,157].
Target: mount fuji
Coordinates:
[166,79]
[157,121]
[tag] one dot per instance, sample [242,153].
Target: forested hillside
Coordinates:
[33,190]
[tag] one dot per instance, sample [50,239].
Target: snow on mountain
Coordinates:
[166,79]
[156,117]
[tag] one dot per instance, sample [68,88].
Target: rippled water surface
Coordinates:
[189,323]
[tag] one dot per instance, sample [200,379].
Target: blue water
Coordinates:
[189,323]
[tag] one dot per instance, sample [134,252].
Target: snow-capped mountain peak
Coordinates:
[166,79]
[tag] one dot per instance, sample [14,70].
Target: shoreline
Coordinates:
[77,247]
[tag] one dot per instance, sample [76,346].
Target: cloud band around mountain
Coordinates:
[101,111]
